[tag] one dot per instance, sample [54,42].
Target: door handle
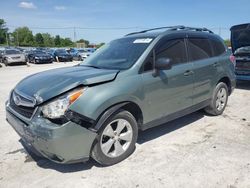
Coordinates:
[188,73]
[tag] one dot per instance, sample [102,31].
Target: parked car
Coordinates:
[85,52]
[133,83]
[62,55]
[75,54]
[240,41]
[38,57]
[13,56]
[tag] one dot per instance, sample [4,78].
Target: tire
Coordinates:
[109,147]
[219,100]
[5,62]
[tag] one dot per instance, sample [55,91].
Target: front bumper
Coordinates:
[19,60]
[43,60]
[67,143]
[65,59]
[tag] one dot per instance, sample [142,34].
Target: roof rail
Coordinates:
[172,28]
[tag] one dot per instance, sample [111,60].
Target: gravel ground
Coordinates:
[194,151]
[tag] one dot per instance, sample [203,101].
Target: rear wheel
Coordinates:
[116,140]
[219,100]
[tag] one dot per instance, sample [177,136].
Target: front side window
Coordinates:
[174,50]
[199,49]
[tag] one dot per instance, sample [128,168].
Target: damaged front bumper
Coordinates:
[67,143]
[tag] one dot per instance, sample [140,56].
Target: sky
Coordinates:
[105,20]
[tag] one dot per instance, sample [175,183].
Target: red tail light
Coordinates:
[233,59]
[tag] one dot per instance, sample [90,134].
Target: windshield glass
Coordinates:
[39,52]
[10,52]
[61,51]
[118,54]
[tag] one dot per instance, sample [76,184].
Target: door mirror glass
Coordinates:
[163,64]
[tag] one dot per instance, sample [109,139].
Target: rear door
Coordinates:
[172,90]
[204,67]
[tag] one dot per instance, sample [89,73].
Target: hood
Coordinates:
[46,85]
[42,55]
[240,36]
[14,55]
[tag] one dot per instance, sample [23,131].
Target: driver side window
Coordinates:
[174,49]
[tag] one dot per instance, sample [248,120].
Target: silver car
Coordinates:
[13,56]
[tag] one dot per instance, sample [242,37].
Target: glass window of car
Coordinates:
[119,54]
[11,52]
[199,49]
[174,49]
[218,47]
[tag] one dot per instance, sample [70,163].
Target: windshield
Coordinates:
[119,54]
[62,51]
[39,52]
[11,52]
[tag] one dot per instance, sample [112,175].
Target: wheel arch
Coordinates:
[130,106]
[227,81]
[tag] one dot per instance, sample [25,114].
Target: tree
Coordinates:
[57,41]
[39,39]
[100,45]
[67,42]
[227,42]
[86,42]
[23,37]
[3,32]
[48,40]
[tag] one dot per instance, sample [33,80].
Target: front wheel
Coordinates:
[117,138]
[219,100]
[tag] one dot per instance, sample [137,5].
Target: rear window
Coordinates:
[218,47]
[199,49]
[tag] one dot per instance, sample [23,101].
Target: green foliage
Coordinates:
[48,40]
[57,41]
[100,45]
[86,42]
[23,37]
[227,42]
[39,40]
[3,31]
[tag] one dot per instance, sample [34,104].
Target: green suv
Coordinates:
[144,79]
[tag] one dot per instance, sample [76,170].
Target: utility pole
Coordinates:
[7,38]
[74,34]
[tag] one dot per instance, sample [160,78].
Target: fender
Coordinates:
[96,127]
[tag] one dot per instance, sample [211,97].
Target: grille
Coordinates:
[24,111]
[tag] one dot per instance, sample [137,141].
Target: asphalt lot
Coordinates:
[194,151]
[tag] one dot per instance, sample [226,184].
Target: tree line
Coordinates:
[23,36]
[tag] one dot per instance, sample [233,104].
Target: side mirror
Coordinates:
[163,64]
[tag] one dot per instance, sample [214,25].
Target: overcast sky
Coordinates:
[104,20]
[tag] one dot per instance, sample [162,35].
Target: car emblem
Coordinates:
[17,100]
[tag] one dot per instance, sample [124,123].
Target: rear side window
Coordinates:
[218,47]
[199,49]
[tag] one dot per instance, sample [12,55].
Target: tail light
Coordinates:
[233,59]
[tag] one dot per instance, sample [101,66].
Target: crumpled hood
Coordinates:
[48,84]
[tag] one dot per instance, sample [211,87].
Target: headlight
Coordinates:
[58,107]
[36,57]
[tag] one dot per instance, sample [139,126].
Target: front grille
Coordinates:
[24,111]
[243,65]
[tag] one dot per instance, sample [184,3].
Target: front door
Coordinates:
[172,90]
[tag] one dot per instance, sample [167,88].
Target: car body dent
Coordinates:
[52,83]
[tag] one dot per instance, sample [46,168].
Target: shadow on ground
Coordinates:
[144,136]
[243,85]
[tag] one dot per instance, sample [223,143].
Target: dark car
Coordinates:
[139,81]
[75,53]
[39,57]
[62,55]
[240,41]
